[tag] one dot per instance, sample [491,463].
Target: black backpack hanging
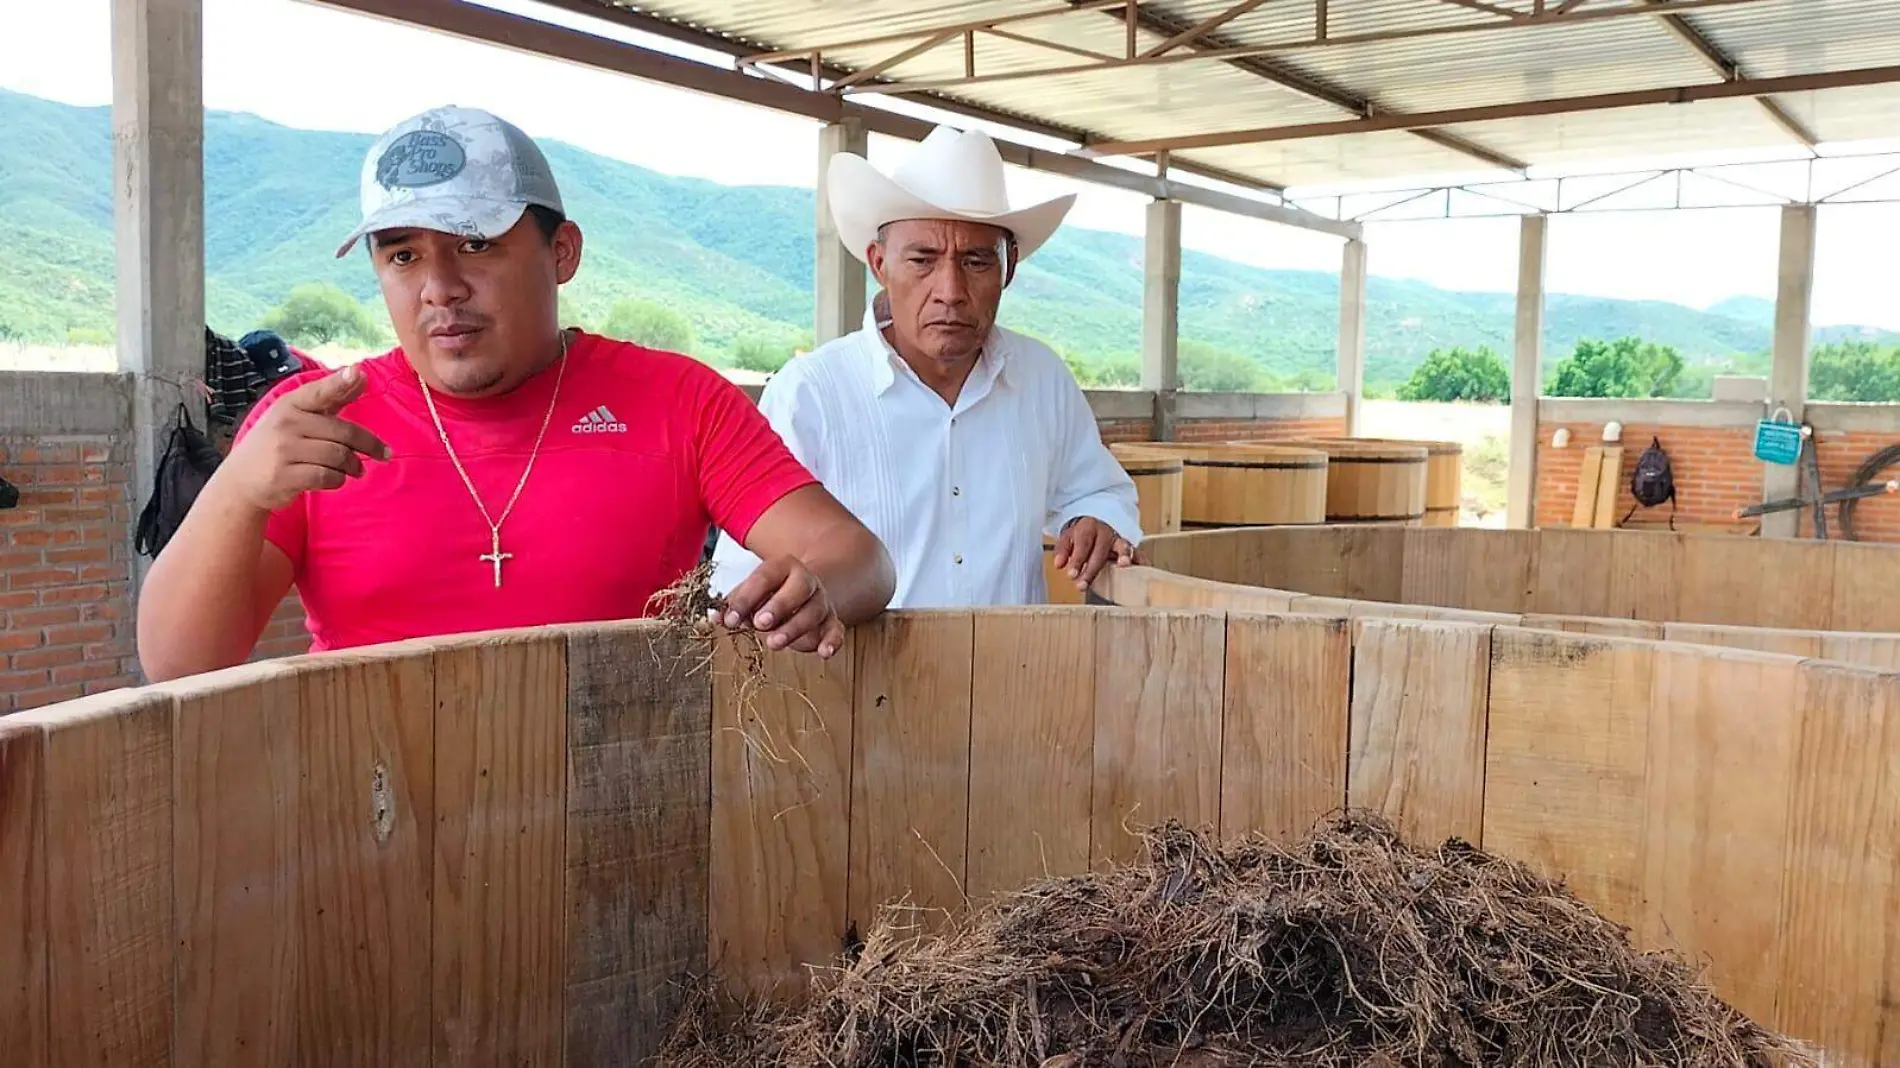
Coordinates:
[1653,481]
[189,458]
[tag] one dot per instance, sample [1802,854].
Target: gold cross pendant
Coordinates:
[496,555]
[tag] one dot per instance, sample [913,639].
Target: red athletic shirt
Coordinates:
[644,450]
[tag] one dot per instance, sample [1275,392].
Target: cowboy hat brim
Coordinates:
[863,199]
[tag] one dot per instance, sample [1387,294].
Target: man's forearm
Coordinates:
[1112,505]
[198,607]
[856,570]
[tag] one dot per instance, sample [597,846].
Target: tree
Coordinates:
[1114,372]
[1207,369]
[569,314]
[1626,367]
[756,353]
[1854,371]
[1118,372]
[319,313]
[1459,374]
[653,325]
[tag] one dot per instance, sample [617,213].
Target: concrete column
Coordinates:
[158,191]
[1788,377]
[1527,378]
[838,282]
[1160,312]
[1352,329]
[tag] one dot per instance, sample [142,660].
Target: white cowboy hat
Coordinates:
[951,175]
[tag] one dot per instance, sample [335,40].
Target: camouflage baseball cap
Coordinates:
[456,170]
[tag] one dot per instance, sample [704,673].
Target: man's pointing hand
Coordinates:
[301,444]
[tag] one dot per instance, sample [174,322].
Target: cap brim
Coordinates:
[461,216]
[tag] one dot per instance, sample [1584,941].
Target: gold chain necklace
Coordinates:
[494,554]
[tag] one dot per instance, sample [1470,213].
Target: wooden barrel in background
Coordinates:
[1158,485]
[1249,485]
[1373,482]
[1444,482]
[1444,476]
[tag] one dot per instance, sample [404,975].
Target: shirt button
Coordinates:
[957,559]
[956,491]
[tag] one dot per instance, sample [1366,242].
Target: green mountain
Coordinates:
[735,261]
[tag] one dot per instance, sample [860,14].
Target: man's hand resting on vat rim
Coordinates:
[1084,548]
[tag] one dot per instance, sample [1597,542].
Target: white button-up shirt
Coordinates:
[961,495]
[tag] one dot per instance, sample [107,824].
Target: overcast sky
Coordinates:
[316,68]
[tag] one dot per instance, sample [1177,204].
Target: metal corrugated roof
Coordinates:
[1627,136]
[1338,160]
[1818,35]
[1429,74]
[1540,80]
[1869,113]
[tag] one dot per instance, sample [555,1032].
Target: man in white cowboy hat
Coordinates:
[494,470]
[958,442]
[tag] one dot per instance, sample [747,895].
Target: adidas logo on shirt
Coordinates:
[599,421]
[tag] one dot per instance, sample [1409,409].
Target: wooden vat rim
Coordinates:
[1262,465]
[1435,447]
[1188,451]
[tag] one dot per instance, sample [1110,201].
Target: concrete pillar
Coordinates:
[1527,378]
[1788,377]
[838,281]
[1160,312]
[158,191]
[1352,329]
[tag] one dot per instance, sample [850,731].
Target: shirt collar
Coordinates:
[886,364]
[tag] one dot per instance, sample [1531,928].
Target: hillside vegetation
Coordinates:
[735,264]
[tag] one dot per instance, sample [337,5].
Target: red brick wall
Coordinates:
[1258,430]
[1715,471]
[285,636]
[1120,430]
[65,576]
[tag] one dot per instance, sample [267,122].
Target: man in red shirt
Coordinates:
[493,470]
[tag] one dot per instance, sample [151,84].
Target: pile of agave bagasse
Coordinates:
[1347,948]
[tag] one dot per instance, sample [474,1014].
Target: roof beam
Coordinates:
[1202,28]
[1686,94]
[1726,67]
[1551,17]
[1489,9]
[1202,36]
[700,38]
[534,37]
[608,11]
[949,27]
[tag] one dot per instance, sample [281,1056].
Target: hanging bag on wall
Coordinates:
[1653,481]
[189,459]
[1778,440]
